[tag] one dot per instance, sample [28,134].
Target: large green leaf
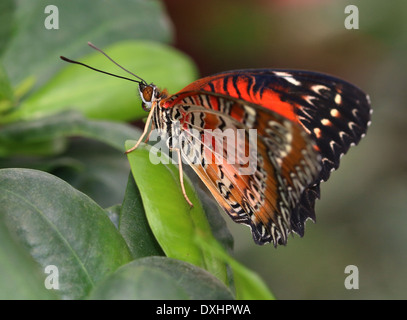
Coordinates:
[174,223]
[61,226]
[34,50]
[20,277]
[105,97]
[45,136]
[133,224]
[161,278]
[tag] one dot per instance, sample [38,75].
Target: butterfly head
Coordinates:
[149,94]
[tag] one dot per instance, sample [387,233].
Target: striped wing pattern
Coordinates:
[305,121]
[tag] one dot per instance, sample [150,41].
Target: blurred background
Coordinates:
[362,215]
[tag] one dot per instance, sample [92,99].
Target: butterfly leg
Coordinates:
[181,177]
[148,137]
[147,125]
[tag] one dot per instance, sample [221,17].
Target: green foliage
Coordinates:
[20,276]
[115,227]
[102,97]
[174,223]
[161,278]
[71,231]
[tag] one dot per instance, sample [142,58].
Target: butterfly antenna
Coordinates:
[105,54]
[98,70]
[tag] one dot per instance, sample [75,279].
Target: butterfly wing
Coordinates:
[333,112]
[256,176]
[310,114]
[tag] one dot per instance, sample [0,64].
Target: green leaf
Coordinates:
[45,136]
[174,224]
[104,97]
[90,166]
[20,277]
[98,170]
[61,226]
[248,285]
[6,92]
[7,8]
[113,212]
[133,224]
[161,278]
[34,50]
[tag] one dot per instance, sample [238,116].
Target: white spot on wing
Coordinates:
[287,77]
[251,116]
[342,134]
[338,99]
[318,87]
[309,99]
[334,113]
[293,81]
[332,144]
[317,132]
[250,110]
[325,122]
[351,124]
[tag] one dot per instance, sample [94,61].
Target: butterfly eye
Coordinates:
[147,93]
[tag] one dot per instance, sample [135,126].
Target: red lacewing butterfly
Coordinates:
[305,121]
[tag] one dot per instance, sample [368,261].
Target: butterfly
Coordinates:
[304,123]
